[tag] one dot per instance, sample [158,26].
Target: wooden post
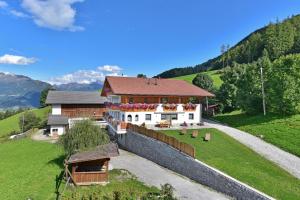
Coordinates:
[263,91]
[66,167]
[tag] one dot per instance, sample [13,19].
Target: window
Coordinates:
[54,130]
[148,117]
[191,116]
[115,99]
[174,117]
[129,118]
[123,117]
[164,100]
[193,100]
[169,116]
[131,100]
[145,100]
[136,118]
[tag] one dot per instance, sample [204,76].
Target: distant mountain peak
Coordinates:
[22,91]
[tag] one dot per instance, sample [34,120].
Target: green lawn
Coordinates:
[215,75]
[28,169]
[283,132]
[240,162]
[120,181]
[12,123]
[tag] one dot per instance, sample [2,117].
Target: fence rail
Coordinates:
[181,146]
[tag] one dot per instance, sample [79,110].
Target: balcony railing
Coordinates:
[153,107]
[117,125]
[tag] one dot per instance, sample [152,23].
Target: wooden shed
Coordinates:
[91,167]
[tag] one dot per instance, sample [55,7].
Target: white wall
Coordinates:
[56,109]
[182,116]
[155,118]
[60,128]
[197,116]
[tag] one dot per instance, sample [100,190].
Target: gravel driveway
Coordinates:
[155,175]
[285,160]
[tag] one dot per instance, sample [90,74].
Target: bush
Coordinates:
[165,193]
[203,81]
[28,121]
[82,136]
[14,132]
[43,124]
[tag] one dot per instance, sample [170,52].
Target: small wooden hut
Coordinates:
[91,167]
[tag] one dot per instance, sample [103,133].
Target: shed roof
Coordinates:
[100,152]
[74,97]
[57,120]
[153,86]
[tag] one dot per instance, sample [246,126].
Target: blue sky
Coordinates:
[83,40]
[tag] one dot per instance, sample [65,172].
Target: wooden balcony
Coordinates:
[153,107]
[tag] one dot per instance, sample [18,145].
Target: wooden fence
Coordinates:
[181,146]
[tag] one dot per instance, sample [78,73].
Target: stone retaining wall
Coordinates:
[183,164]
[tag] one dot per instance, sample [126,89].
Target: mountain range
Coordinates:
[21,91]
[278,39]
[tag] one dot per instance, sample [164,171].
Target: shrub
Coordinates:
[42,124]
[203,81]
[28,121]
[82,136]
[14,132]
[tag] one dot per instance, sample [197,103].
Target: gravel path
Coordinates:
[40,136]
[287,161]
[155,175]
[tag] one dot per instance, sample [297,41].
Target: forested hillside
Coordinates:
[280,38]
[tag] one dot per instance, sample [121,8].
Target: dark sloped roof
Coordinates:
[57,120]
[74,97]
[153,86]
[100,152]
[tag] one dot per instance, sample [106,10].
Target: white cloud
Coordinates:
[11,11]
[54,14]
[81,76]
[86,76]
[3,4]
[16,60]
[18,14]
[110,68]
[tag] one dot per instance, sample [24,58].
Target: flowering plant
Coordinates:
[189,106]
[138,106]
[170,106]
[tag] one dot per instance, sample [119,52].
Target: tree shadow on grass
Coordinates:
[59,161]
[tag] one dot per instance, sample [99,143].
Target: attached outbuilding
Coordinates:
[69,107]
[58,124]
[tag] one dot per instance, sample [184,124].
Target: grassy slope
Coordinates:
[213,74]
[119,180]
[280,131]
[235,159]
[28,169]
[12,123]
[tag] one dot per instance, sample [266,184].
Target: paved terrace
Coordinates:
[287,161]
[178,127]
